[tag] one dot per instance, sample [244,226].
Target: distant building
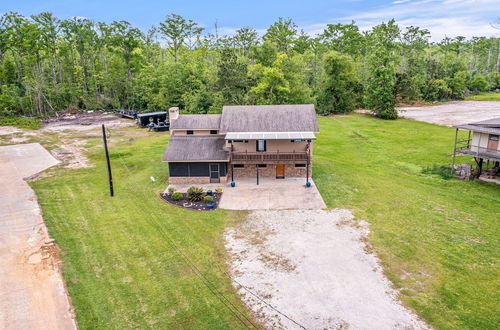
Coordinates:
[482,143]
[244,141]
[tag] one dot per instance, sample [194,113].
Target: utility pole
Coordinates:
[110,177]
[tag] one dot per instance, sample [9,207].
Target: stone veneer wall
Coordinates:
[249,171]
[193,180]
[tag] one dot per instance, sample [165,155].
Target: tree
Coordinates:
[245,38]
[176,31]
[343,38]
[380,89]
[232,79]
[282,33]
[338,84]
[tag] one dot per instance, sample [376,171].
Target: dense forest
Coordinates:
[48,65]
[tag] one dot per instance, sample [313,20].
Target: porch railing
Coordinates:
[466,147]
[268,157]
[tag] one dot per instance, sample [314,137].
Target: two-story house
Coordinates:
[243,142]
[482,142]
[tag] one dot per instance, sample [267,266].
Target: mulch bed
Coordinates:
[187,204]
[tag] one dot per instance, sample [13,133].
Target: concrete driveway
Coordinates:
[271,194]
[32,290]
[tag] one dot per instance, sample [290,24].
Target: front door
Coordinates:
[493,142]
[280,171]
[214,173]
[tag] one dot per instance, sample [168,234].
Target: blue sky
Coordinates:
[441,17]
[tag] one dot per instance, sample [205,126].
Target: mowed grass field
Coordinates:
[127,259]
[437,239]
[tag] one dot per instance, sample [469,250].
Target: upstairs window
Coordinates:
[189,132]
[214,131]
[261,145]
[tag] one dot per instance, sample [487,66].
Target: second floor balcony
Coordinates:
[269,157]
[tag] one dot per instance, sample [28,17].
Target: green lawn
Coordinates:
[437,238]
[120,266]
[489,96]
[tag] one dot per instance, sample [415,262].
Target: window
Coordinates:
[261,145]
[493,137]
[189,132]
[214,131]
[262,165]
[239,165]
[300,165]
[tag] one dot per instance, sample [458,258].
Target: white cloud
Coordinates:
[441,17]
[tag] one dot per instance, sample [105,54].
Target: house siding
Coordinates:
[481,140]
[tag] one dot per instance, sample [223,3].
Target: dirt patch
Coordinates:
[7,130]
[312,269]
[85,121]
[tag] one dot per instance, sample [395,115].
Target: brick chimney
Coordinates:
[173,113]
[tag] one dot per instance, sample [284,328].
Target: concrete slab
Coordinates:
[271,194]
[33,295]
[453,113]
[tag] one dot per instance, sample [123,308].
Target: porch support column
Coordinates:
[480,167]
[454,152]
[232,172]
[257,167]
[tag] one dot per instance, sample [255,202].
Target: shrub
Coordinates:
[195,194]
[443,171]
[171,190]
[208,199]
[218,190]
[479,83]
[176,196]
[437,90]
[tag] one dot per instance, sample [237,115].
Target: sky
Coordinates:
[442,17]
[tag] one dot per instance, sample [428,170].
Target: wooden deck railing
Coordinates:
[268,157]
[466,147]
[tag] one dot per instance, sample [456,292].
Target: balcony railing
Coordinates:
[268,157]
[467,148]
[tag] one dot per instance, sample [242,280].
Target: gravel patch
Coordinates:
[315,268]
[453,113]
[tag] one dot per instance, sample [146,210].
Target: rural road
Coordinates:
[33,295]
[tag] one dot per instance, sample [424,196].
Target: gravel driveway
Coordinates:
[314,268]
[453,113]
[32,290]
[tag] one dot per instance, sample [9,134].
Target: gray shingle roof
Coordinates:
[491,126]
[195,148]
[196,122]
[269,118]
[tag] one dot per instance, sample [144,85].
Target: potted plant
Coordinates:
[210,193]
[233,184]
[308,184]
[209,200]
[218,191]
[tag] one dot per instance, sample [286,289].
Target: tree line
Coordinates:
[48,65]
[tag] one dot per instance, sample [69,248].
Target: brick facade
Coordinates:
[250,171]
[193,180]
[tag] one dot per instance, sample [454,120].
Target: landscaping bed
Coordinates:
[188,203]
